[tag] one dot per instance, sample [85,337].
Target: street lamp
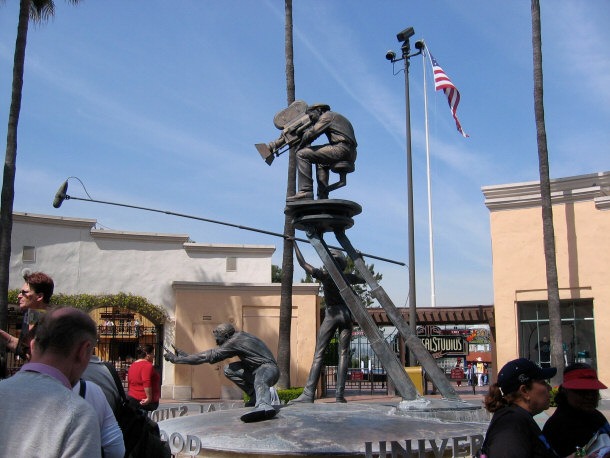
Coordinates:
[403,37]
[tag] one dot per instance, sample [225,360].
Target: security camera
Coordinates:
[390,55]
[405,34]
[419,44]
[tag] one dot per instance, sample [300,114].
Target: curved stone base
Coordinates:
[321,429]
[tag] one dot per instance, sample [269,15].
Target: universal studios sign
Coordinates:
[440,344]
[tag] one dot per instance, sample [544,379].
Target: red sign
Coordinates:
[457,373]
[357,375]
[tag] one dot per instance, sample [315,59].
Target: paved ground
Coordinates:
[466,394]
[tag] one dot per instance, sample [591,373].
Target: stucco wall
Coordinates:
[81,259]
[200,307]
[582,228]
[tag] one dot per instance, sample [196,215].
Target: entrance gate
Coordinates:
[120,332]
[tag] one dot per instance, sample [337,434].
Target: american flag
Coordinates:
[442,81]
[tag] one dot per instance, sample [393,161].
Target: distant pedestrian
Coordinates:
[472,378]
[144,381]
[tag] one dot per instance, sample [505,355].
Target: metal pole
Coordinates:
[411,231]
[430,230]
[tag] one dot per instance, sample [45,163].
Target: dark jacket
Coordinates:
[513,433]
[569,428]
[250,349]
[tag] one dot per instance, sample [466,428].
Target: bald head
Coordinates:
[63,329]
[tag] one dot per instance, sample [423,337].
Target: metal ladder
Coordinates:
[403,384]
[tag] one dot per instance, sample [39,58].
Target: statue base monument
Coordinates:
[414,427]
[370,429]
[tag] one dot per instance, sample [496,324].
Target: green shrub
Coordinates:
[88,302]
[554,391]
[284,395]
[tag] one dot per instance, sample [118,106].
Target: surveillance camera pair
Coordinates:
[404,36]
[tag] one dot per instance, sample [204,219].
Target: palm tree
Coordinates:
[37,11]
[547,209]
[283,346]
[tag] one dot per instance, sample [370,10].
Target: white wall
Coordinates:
[81,259]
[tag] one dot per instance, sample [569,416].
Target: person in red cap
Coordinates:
[576,419]
[520,393]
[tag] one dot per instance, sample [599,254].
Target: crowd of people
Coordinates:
[575,429]
[64,399]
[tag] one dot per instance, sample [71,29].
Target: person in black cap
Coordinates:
[520,393]
[576,419]
[341,146]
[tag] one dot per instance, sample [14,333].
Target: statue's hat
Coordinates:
[324,107]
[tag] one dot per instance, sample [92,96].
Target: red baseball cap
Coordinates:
[582,379]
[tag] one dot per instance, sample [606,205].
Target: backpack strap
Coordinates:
[117,380]
[83,389]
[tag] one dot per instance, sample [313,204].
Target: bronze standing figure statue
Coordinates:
[254,374]
[337,316]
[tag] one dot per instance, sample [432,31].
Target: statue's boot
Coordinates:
[305,397]
[300,196]
[340,399]
[264,411]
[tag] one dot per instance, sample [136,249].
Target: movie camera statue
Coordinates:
[292,121]
[301,125]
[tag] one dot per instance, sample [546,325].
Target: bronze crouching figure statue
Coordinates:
[254,374]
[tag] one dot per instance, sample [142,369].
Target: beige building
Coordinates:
[196,286]
[200,307]
[581,216]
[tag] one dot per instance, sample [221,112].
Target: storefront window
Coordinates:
[577,326]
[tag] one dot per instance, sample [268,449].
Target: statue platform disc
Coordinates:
[326,429]
[327,215]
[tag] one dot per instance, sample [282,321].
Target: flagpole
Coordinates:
[431,237]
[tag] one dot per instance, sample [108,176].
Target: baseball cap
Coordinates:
[520,371]
[582,379]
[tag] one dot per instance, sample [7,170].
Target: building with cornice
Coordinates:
[197,286]
[581,218]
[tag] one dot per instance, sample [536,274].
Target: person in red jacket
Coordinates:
[144,380]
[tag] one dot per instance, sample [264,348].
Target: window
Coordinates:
[231,264]
[577,327]
[28,254]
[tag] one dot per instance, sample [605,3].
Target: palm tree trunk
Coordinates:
[547,209]
[283,351]
[8,181]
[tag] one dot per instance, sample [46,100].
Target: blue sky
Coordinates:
[160,106]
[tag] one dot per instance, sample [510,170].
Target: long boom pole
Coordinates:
[207,220]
